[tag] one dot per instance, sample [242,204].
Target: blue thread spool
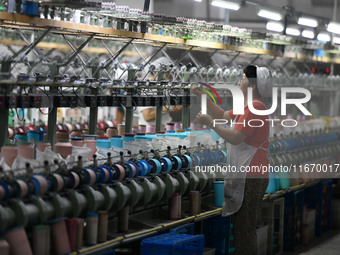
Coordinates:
[147,169]
[33,135]
[129,137]
[103,143]
[219,193]
[271,188]
[178,164]
[167,165]
[198,158]
[117,141]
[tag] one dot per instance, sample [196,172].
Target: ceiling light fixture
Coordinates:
[309,22]
[336,40]
[333,27]
[198,0]
[226,4]
[324,37]
[308,34]
[274,26]
[268,14]
[292,31]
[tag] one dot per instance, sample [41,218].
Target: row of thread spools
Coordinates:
[39,185]
[60,236]
[129,166]
[309,158]
[64,235]
[301,141]
[113,137]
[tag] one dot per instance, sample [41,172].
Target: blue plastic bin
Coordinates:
[173,244]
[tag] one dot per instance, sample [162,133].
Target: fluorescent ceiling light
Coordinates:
[308,34]
[274,26]
[324,37]
[309,22]
[226,4]
[292,31]
[333,27]
[336,40]
[264,13]
[198,0]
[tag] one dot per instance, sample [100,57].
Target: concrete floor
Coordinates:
[329,247]
[328,244]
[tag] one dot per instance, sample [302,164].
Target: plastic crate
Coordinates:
[217,232]
[173,244]
[294,202]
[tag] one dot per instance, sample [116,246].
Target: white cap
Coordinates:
[264,84]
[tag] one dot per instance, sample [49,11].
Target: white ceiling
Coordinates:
[246,16]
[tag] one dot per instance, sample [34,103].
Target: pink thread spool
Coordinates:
[123,220]
[121,171]
[91,232]
[90,141]
[75,178]
[111,131]
[41,239]
[61,134]
[41,146]
[2,193]
[9,152]
[57,182]
[107,174]
[142,129]
[100,132]
[60,240]
[135,130]
[72,229]
[21,187]
[92,175]
[43,183]
[121,129]
[102,226]
[77,141]
[4,247]
[175,207]
[195,202]
[170,126]
[64,148]
[178,125]
[194,125]
[76,133]
[150,129]
[80,233]
[18,241]
[26,150]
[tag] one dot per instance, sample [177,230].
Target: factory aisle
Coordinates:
[328,247]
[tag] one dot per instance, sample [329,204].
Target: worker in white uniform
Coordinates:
[248,145]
